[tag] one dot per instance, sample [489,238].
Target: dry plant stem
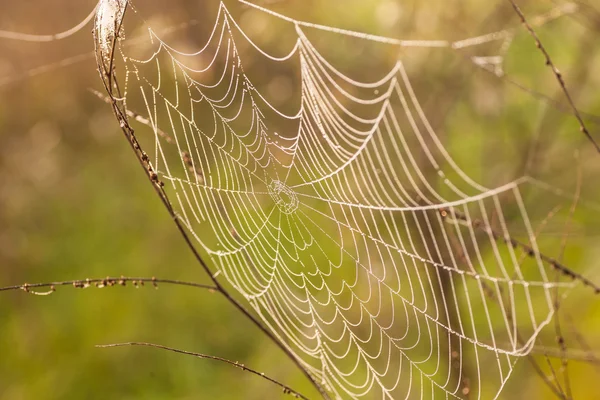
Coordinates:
[559,335]
[553,375]
[286,389]
[136,116]
[556,390]
[551,382]
[557,74]
[589,355]
[103,282]
[491,294]
[109,80]
[530,251]
[585,355]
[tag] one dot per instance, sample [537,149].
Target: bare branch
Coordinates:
[286,389]
[529,250]
[585,356]
[103,282]
[557,74]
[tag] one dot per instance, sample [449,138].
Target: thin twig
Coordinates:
[556,387]
[588,353]
[136,116]
[103,282]
[556,391]
[529,250]
[553,375]
[556,73]
[559,335]
[585,356]
[286,389]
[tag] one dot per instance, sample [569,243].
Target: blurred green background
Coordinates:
[74,203]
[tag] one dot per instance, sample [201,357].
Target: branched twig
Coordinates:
[529,250]
[102,282]
[557,74]
[286,389]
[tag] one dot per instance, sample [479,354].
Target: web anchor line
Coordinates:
[564,9]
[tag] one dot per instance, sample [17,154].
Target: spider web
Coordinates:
[347,226]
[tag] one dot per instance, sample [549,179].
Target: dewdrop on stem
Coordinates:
[108,22]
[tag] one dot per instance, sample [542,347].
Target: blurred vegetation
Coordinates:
[75,204]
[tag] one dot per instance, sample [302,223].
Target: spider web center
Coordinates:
[284,197]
